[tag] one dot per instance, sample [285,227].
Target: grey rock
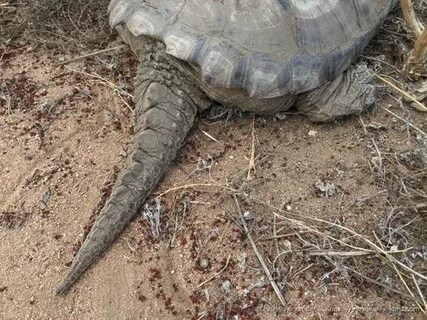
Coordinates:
[226,287]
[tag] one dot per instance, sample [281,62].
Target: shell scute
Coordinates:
[267,77]
[307,71]
[146,20]
[340,59]
[119,10]
[218,63]
[268,48]
[183,42]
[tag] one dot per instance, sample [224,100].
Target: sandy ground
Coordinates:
[64,135]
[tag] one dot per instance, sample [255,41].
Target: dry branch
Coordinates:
[420,49]
[416,58]
[90,55]
[251,165]
[420,106]
[259,256]
[408,11]
[216,274]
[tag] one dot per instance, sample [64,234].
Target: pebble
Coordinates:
[226,286]
[247,215]
[313,133]
[204,263]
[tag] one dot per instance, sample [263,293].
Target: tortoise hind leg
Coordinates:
[350,93]
[164,113]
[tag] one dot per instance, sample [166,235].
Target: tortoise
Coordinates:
[262,56]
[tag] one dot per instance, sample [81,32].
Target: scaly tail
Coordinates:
[164,114]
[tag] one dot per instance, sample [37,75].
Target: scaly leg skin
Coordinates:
[350,93]
[166,105]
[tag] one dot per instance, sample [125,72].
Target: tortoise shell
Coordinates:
[268,48]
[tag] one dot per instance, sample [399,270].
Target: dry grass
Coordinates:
[12,20]
[66,23]
[383,258]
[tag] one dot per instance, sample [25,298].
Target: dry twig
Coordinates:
[119,91]
[216,274]
[252,158]
[407,122]
[420,49]
[408,11]
[418,104]
[420,34]
[92,54]
[259,256]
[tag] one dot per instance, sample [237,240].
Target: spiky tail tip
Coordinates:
[163,117]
